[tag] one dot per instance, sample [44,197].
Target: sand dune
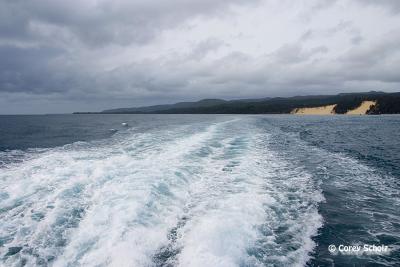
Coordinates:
[362,109]
[329,109]
[324,110]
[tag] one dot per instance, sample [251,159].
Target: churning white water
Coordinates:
[197,195]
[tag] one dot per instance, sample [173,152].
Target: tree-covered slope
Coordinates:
[387,103]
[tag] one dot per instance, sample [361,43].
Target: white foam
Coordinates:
[226,227]
[116,203]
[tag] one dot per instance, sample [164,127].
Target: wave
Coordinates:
[196,195]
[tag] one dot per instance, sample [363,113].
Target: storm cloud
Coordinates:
[63,56]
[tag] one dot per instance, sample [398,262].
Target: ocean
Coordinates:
[198,190]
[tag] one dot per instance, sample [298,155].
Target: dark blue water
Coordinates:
[360,181]
[198,190]
[32,131]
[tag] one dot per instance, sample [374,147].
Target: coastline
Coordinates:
[362,109]
[323,110]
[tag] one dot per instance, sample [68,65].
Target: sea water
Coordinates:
[198,190]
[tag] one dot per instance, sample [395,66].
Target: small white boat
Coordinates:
[124,124]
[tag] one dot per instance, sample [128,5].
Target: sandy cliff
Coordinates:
[330,109]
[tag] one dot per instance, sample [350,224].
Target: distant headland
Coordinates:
[367,103]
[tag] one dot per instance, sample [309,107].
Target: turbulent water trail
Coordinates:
[205,195]
[234,191]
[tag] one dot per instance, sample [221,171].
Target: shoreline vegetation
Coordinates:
[368,103]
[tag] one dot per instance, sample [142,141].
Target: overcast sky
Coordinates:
[90,55]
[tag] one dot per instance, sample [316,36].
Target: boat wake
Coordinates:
[204,195]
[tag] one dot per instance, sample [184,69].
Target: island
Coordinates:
[367,103]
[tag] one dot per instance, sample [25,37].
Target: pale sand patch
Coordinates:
[362,109]
[324,110]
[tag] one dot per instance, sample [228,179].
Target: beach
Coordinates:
[330,109]
[362,109]
[324,110]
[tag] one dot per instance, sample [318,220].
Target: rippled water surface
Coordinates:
[198,190]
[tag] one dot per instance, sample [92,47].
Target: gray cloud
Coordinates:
[102,54]
[202,48]
[101,22]
[392,5]
[26,69]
